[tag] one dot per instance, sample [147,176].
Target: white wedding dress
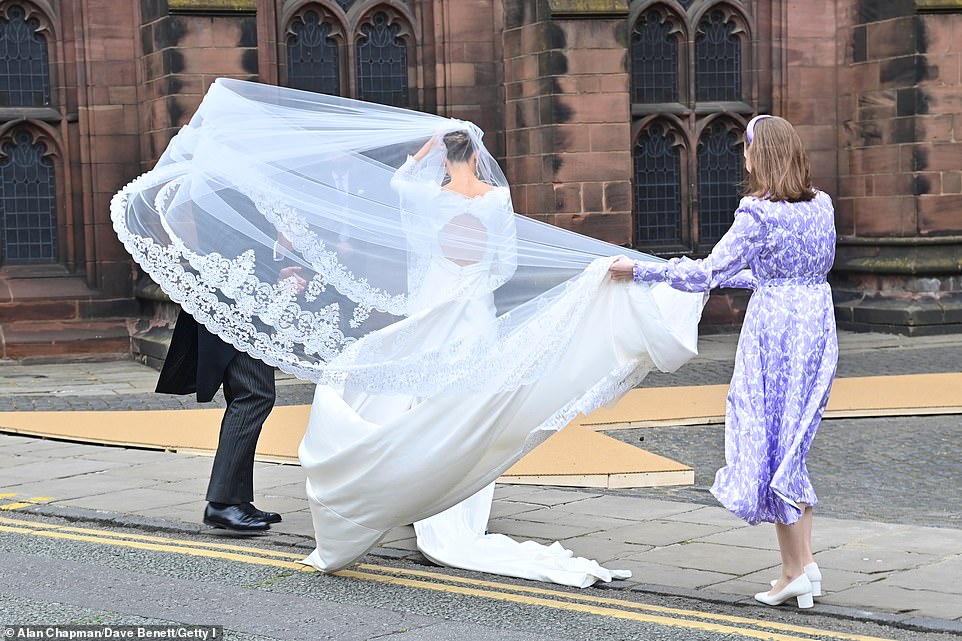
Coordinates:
[448,336]
[360,450]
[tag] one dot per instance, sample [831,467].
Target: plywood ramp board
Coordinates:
[911,394]
[180,430]
[579,457]
[574,457]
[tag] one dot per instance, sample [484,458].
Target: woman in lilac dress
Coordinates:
[784,233]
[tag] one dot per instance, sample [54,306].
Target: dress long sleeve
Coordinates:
[723,266]
[415,192]
[413,187]
[744,279]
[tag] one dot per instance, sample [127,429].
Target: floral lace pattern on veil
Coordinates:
[265,320]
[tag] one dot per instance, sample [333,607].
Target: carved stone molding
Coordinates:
[212,6]
[588,8]
[954,6]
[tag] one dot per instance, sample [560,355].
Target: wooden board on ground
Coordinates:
[576,457]
[175,430]
[579,457]
[866,396]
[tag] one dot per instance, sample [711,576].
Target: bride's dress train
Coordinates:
[361,452]
[457,538]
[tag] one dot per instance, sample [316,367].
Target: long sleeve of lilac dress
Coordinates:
[724,267]
[787,350]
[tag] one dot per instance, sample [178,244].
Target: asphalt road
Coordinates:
[56,572]
[895,469]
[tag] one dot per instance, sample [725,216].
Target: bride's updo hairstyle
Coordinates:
[781,170]
[458,146]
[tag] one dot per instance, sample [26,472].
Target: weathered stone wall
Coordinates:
[809,96]
[108,133]
[461,46]
[185,46]
[567,124]
[873,86]
[900,208]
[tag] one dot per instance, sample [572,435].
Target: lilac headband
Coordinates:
[750,129]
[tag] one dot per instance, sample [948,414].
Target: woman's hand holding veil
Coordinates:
[622,269]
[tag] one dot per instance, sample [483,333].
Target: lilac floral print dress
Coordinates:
[787,351]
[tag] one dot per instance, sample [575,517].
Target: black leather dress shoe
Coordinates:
[234,517]
[270,517]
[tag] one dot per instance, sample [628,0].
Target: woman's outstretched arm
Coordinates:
[721,268]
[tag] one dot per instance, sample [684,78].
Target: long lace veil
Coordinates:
[264,179]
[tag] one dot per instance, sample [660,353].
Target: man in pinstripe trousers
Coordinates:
[200,362]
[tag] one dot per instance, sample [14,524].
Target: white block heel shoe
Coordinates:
[800,589]
[814,575]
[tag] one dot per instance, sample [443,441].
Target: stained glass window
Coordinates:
[657,187]
[685,193]
[654,59]
[345,4]
[382,66]
[24,63]
[312,56]
[27,202]
[720,167]
[718,59]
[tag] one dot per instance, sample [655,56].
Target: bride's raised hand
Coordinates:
[426,148]
[622,269]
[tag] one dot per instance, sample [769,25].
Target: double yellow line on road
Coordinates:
[436,581]
[19,504]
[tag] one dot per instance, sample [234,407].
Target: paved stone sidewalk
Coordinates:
[113,385]
[899,572]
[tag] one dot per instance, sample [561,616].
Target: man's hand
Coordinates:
[291,274]
[622,269]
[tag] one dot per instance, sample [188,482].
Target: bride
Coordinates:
[447,334]
[474,242]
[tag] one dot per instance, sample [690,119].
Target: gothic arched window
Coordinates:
[24,61]
[27,201]
[657,184]
[718,50]
[719,175]
[382,63]
[334,48]
[312,55]
[654,58]
[690,64]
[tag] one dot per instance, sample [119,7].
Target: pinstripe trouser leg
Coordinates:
[249,391]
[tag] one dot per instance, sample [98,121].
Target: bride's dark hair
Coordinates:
[459,146]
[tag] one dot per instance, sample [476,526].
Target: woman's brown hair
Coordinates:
[458,146]
[780,170]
